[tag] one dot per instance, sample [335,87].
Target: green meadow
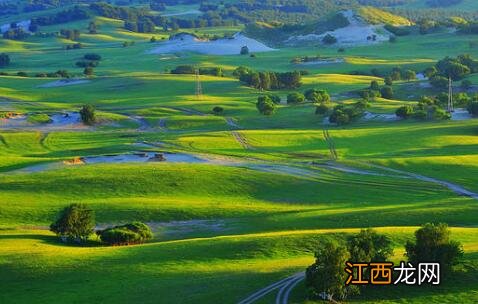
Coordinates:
[266,193]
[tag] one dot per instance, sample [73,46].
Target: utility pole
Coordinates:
[198,85]
[450,96]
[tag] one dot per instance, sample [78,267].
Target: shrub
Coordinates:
[244,50]
[92,56]
[133,233]
[374,86]
[387,92]
[265,105]
[321,109]
[218,110]
[432,244]
[4,60]
[75,223]
[295,98]
[329,39]
[315,95]
[87,113]
[404,111]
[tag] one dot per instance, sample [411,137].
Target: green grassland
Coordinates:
[272,221]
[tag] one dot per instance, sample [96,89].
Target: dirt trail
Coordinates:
[331,144]
[230,122]
[286,285]
[242,140]
[162,124]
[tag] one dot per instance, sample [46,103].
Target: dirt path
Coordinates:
[242,140]
[162,124]
[285,286]
[187,111]
[331,144]
[453,187]
[231,123]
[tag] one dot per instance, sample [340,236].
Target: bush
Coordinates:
[321,109]
[217,110]
[374,86]
[329,39]
[265,105]
[388,81]
[473,108]
[432,244]
[4,60]
[387,92]
[133,233]
[92,56]
[295,98]
[88,71]
[87,113]
[404,111]
[75,223]
[244,50]
[315,95]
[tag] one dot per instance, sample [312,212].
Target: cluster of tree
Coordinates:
[376,91]
[128,234]
[344,114]
[76,223]
[89,60]
[74,46]
[57,74]
[329,39]
[4,60]
[68,15]
[70,34]
[455,68]
[16,34]
[144,25]
[88,114]
[398,30]
[426,109]
[268,80]
[190,69]
[325,278]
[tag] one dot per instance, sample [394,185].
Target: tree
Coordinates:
[439,82]
[265,105]
[321,109]
[4,60]
[92,57]
[388,80]
[218,110]
[315,95]
[133,233]
[88,71]
[387,92]
[369,246]
[432,244]
[244,50]
[404,111]
[374,85]
[153,39]
[75,223]
[473,108]
[329,39]
[87,113]
[295,98]
[409,75]
[327,274]
[92,28]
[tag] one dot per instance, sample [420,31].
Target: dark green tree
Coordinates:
[244,50]
[265,105]
[327,274]
[404,111]
[75,223]
[433,244]
[88,115]
[295,97]
[387,92]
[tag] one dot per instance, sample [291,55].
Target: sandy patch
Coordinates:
[225,46]
[461,114]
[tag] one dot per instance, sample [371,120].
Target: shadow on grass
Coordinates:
[49,239]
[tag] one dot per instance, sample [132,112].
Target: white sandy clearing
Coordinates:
[355,33]
[225,46]
[379,117]
[63,83]
[460,114]
[190,12]
[25,25]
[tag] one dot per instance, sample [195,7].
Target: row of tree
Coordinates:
[326,277]
[268,80]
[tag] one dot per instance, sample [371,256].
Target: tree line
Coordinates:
[268,80]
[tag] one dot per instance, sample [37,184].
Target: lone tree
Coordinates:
[87,113]
[92,28]
[387,92]
[217,110]
[369,246]
[329,39]
[327,275]
[88,71]
[244,50]
[265,105]
[75,223]
[4,60]
[432,244]
[374,85]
